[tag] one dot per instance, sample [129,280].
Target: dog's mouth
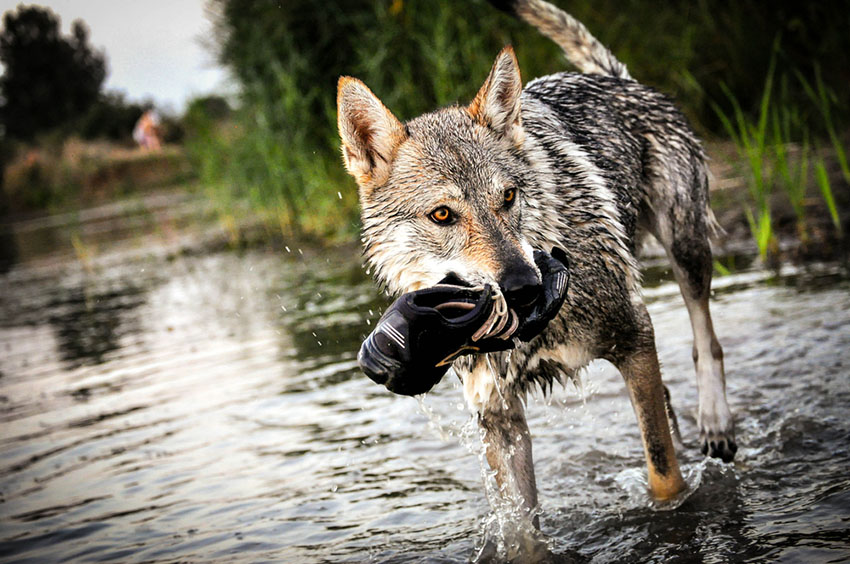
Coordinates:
[519,302]
[454,279]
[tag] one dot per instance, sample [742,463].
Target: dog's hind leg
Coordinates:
[692,267]
[680,218]
[690,255]
[642,374]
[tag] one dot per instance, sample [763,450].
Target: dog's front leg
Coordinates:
[504,432]
[508,448]
[642,374]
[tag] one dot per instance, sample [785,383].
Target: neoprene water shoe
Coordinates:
[422,332]
[555,275]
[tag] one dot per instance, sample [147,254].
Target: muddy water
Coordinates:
[160,408]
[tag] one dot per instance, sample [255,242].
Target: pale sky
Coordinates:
[153,47]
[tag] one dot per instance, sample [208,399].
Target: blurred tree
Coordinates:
[110,117]
[287,56]
[48,79]
[212,107]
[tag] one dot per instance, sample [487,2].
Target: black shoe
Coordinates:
[422,332]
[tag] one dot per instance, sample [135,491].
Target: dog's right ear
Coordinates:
[370,133]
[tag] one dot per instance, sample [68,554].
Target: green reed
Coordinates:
[781,150]
[751,140]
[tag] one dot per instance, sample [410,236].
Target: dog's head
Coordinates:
[443,193]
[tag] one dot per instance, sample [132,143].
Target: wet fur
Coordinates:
[599,162]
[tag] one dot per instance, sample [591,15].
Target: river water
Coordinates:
[158,406]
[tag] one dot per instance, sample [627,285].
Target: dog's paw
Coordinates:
[719,445]
[716,425]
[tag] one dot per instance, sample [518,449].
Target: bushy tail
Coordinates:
[581,48]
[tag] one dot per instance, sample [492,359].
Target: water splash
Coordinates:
[634,482]
[507,530]
[494,375]
[445,430]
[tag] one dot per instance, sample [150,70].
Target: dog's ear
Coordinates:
[497,105]
[370,133]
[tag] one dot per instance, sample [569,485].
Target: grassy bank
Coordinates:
[255,175]
[66,174]
[791,155]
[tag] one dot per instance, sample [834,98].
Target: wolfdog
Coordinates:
[590,162]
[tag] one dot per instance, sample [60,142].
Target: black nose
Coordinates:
[521,287]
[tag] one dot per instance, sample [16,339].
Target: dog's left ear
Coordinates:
[497,105]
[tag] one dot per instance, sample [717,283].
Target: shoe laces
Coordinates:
[500,317]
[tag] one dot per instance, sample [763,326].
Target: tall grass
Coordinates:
[278,161]
[824,99]
[257,171]
[751,139]
[777,147]
[791,161]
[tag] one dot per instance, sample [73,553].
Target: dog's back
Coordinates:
[636,137]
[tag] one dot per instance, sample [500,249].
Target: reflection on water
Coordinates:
[209,408]
[88,324]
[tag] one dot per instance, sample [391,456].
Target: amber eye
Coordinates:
[442,215]
[510,197]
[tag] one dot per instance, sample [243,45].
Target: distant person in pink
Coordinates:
[147,131]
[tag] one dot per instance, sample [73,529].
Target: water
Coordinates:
[162,407]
